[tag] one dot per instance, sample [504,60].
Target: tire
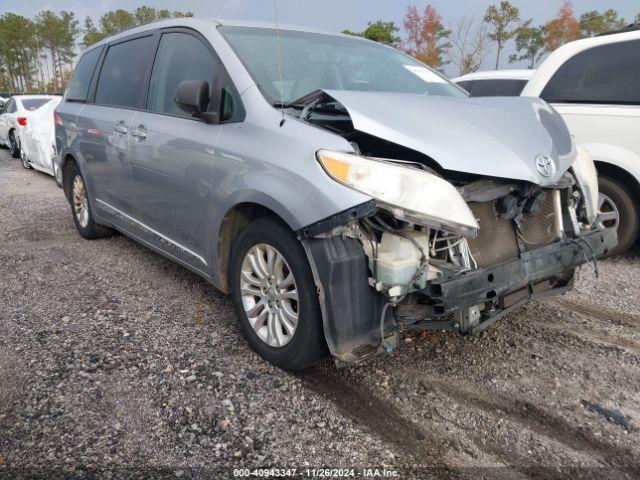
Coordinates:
[306,346]
[624,201]
[14,146]
[81,208]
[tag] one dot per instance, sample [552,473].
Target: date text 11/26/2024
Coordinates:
[316,472]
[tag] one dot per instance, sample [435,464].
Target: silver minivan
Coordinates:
[338,189]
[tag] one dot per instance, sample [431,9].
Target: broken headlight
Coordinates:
[411,195]
[587,177]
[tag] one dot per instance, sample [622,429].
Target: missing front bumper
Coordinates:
[353,311]
[541,272]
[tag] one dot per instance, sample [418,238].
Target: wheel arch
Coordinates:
[621,175]
[626,178]
[67,161]
[235,219]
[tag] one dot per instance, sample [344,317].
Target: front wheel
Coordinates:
[275,296]
[617,209]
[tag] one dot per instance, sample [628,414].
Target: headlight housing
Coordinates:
[587,177]
[411,195]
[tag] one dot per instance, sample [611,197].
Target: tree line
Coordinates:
[467,43]
[38,54]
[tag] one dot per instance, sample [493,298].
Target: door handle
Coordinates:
[120,128]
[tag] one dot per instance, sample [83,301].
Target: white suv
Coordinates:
[595,84]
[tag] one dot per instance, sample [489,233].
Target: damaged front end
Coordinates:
[437,249]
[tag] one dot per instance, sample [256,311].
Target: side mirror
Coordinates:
[192,96]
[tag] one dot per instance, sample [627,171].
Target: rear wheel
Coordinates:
[81,208]
[275,296]
[14,144]
[617,208]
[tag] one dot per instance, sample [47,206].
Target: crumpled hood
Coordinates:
[494,136]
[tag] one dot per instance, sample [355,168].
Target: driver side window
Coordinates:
[180,57]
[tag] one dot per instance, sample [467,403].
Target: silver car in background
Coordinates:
[340,190]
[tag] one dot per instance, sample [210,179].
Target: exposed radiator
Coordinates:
[497,242]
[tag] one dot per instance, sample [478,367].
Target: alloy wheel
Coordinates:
[269,295]
[608,214]
[80,201]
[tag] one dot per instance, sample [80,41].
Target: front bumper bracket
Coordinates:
[537,273]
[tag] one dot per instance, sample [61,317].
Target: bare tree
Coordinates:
[469,44]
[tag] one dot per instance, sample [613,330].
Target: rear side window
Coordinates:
[32,104]
[180,57]
[78,87]
[7,105]
[608,74]
[122,75]
[495,87]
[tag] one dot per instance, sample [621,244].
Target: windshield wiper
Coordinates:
[300,102]
[279,104]
[317,100]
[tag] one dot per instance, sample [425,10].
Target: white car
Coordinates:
[594,84]
[27,128]
[495,83]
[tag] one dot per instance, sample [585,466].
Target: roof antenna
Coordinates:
[279,55]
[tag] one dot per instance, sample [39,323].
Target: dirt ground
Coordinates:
[115,362]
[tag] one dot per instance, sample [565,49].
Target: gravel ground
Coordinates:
[115,362]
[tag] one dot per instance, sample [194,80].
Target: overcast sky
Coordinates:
[331,15]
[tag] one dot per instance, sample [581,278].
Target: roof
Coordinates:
[583,44]
[201,22]
[285,26]
[497,75]
[629,28]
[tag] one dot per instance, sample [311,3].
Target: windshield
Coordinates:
[314,61]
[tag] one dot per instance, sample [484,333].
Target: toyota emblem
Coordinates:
[545,165]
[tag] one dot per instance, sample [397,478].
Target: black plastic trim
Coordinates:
[363,210]
[351,308]
[523,275]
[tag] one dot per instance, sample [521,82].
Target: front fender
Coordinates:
[263,199]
